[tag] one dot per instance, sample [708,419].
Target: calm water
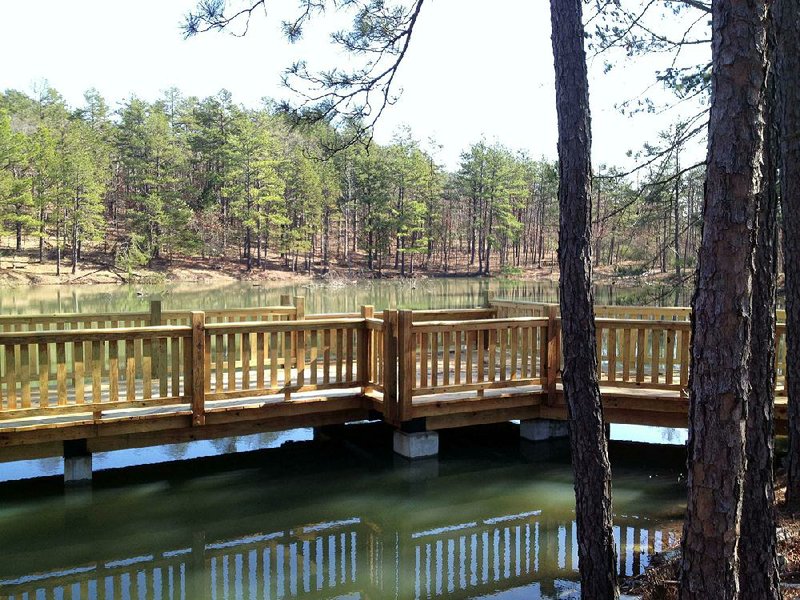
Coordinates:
[291,517]
[342,518]
[320,297]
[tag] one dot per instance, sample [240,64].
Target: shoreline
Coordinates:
[24,271]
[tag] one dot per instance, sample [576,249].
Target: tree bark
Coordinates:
[758,558]
[787,83]
[722,303]
[590,463]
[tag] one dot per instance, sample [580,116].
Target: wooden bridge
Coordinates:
[74,384]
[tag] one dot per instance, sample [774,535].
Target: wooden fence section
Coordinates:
[225,372]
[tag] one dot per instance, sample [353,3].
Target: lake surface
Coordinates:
[282,515]
[493,517]
[336,296]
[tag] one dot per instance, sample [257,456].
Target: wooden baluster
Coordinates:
[78,371]
[25,374]
[349,343]
[493,333]
[670,357]
[528,334]
[61,373]
[260,360]
[468,335]
[175,367]
[163,365]
[514,352]
[612,354]
[626,354]
[197,373]
[44,375]
[188,349]
[287,364]
[231,362]
[147,369]
[113,371]
[130,371]
[245,361]
[219,347]
[11,375]
[599,349]
[457,366]
[480,342]
[423,359]
[434,337]
[339,333]
[301,358]
[97,370]
[326,357]
[641,354]
[446,358]
[503,332]
[273,360]
[655,337]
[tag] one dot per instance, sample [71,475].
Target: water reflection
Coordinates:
[346,296]
[486,523]
[349,557]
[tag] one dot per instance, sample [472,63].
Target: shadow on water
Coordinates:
[337,517]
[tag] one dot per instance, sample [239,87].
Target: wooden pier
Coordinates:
[74,384]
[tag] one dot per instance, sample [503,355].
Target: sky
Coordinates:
[475,69]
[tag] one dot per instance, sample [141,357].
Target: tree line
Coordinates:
[184,176]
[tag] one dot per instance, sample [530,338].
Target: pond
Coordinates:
[336,517]
[285,515]
[336,296]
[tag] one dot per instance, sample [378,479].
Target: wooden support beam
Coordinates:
[197,376]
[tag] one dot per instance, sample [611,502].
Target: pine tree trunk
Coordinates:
[786,14]
[722,304]
[758,560]
[590,463]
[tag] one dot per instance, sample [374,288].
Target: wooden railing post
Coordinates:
[155,321]
[553,351]
[197,376]
[364,346]
[390,367]
[406,364]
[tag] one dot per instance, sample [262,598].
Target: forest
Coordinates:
[183,176]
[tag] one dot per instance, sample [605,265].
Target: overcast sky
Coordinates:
[475,68]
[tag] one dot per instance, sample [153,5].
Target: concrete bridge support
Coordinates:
[537,430]
[77,463]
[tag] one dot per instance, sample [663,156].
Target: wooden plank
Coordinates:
[78,372]
[25,374]
[514,353]
[528,335]
[130,370]
[468,337]
[97,371]
[612,354]
[61,373]
[626,354]
[350,336]
[407,364]
[175,367]
[641,354]
[273,359]
[113,371]
[219,351]
[162,366]
[434,338]
[423,359]
[493,354]
[147,369]
[260,359]
[670,357]
[231,372]
[339,333]
[301,358]
[200,361]
[655,339]
[457,366]
[287,361]
[446,358]
[480,342]
[599,349]
[245,361]
[326,356]
[44,374]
